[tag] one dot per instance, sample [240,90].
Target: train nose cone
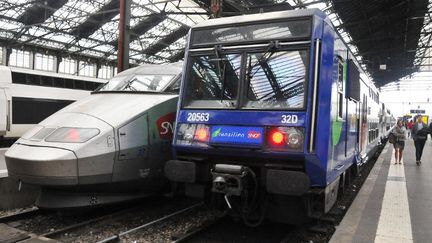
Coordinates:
[42,165]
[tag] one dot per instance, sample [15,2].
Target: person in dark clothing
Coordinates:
[430,129]
[419,133]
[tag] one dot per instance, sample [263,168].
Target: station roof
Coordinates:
[389,37]
[386,33]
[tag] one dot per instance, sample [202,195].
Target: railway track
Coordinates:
[21,215]
[122,234]
[225,229]
[177,221]
[91,227]
[72,227]
[191,234]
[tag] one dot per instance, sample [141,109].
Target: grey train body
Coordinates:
[123,160]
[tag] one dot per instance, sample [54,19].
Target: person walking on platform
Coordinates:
[430,129]
[419,133]
[410,125]
[399,145]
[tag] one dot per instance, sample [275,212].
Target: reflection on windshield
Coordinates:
[276,79]
[213,80]
[145,82]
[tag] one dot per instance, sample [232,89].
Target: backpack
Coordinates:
[392,138]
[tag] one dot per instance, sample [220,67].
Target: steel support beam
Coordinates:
[124,36]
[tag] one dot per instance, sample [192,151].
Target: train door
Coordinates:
[337,151]
[4,114]
[363,128]
[133,149]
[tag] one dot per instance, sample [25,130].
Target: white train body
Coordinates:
[28,96]
[110,145]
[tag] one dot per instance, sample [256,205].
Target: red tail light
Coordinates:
[202,134]
[193,135]
[73,135]
[277,137]
[285,138]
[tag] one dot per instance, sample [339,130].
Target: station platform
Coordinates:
[394,203]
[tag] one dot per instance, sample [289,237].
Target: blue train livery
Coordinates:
[275,115]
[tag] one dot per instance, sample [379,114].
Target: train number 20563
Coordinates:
[289,119]
[197,116]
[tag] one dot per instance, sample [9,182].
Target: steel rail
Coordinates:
[117,236]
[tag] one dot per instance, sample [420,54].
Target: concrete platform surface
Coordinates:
[394,203]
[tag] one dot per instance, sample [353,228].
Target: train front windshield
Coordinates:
[273,79]
[138,83]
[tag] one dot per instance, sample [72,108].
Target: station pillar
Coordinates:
[124,36]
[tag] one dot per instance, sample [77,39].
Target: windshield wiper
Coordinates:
[221,70]
[128,85]
[272,46]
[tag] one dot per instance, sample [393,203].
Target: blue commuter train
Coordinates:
[275,115]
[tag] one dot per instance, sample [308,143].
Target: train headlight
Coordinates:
[72,135]
[285,138]
[295,138]
[193,135]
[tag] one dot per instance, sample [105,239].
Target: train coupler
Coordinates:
[229,179]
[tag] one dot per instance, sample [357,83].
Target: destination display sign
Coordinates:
[237,135]
[417,111]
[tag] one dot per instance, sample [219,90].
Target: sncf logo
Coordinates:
[254,135]
[165,126]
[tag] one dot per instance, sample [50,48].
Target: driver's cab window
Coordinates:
[174,87]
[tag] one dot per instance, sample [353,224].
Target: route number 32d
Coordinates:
[289,119]
[197,116]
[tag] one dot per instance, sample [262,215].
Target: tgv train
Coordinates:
[29,96]
[105,148]
[274,116]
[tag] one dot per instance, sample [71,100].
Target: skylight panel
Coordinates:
[73,13]
[173,49]
[14,8]
[108,32]
[137,11]
[61,37]
[186,6]
[10,25]
[424,40]
[46,43]
[112,57]
[93,53]
[37,32]
[86,43]
[103,48]
[6,35]
[156,33]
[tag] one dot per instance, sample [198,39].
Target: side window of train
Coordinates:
[340,84]
[175,87]
[364,109]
